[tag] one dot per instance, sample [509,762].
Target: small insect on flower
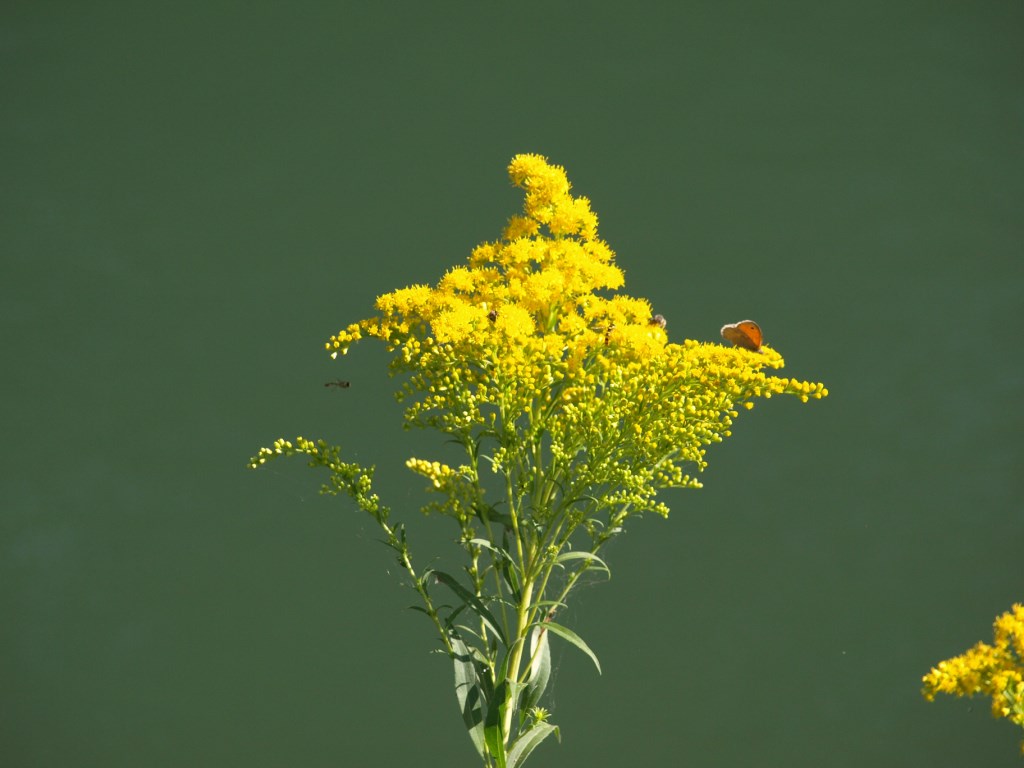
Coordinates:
[492,315]
[608,333]
[658,320]
[745,333]
[339,383]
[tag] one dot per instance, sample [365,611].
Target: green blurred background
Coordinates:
[196,195]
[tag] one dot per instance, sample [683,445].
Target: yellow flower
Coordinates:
[995,670]
[524,340]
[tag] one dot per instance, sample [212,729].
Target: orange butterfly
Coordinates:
[745,333]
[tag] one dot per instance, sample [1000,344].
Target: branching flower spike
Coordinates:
[573,409]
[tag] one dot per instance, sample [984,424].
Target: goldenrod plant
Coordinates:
[996,671]
[573,411]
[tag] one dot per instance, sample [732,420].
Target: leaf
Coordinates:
[540,668]
[515,689]
[510,574]
[526,743]
[573,638]
[510,689]
[501,671]
[469,692]
[488,545]
[493,735]
[510,578]
[489,513]
[592,560]
[450,621]
[473,602]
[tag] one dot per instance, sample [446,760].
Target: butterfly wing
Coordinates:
[746,334]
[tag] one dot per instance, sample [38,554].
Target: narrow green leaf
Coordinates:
[504,563]
[501,670]
[573,638]
[593,560]
[473,602]
[469,693]
[450,621]
[540,669]
[510,574]
[514,691]
[510,689]
[486,513]
[550,604]
[493,735]
[527,742]
[489,546]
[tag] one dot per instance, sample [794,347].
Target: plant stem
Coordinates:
[522,629]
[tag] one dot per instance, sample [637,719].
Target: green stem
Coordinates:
[403,555]
[525,609]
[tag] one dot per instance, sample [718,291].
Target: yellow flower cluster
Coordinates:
[992,670]
[439,474]
[574,398]
[457,485]
[345,477]
[520,343]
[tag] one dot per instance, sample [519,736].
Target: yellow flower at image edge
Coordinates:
[995,670]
